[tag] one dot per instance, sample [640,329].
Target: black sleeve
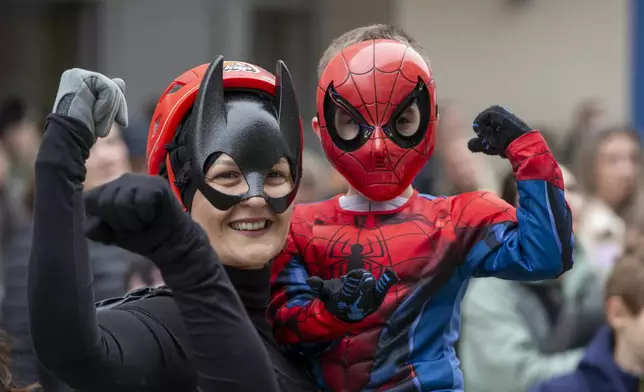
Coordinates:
[110,266]
[229,354]
[121,350]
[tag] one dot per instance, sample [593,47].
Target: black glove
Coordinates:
[354,296]
[495,129]
[139,213]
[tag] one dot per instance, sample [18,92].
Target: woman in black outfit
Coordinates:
[235,161]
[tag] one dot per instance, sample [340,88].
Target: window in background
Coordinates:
[40,39]
[287,34]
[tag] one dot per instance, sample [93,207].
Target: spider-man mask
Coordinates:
[377,112]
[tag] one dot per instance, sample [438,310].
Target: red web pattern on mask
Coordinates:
[361,89]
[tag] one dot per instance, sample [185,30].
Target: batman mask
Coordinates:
[255,121]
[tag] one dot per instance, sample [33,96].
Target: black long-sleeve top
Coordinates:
[152,340]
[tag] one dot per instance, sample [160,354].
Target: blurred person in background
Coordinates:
[109,264]
[336,184]
[455,168]
[136,137]
[426,181]
[143,273]
[515,334]
[7,380]
[11,216]
[463,171]
[609,169]
[19,139]
[108,160]
[589,118]
[614,360]
[20,135]
[315,178]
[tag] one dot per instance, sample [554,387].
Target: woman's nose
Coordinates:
[255,202]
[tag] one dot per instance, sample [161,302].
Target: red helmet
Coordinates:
[371,86]
[178,99]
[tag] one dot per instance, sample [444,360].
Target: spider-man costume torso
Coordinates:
[433,244]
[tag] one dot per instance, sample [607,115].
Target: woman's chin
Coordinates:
[256,255]
[251,251]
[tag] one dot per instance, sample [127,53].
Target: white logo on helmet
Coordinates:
[237,66]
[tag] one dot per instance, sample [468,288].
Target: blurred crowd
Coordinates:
[515,335]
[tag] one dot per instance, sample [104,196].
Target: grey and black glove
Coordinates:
[92,98]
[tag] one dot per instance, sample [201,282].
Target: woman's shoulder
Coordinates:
[153,306]
[141,294]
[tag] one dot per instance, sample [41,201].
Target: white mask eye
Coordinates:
[345,125]
[408,121]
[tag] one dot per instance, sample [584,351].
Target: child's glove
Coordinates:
[354,296]
[495,129]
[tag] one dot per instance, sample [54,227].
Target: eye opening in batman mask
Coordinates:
[225,176]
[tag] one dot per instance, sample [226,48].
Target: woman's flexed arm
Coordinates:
[63,320]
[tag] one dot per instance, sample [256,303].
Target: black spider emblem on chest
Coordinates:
[347,253]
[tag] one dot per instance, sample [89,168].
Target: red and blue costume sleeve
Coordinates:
[297,316]
[533,242]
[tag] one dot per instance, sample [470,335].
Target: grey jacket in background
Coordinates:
[109,264]
[508,341]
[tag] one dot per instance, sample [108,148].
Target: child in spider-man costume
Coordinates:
[336,301]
